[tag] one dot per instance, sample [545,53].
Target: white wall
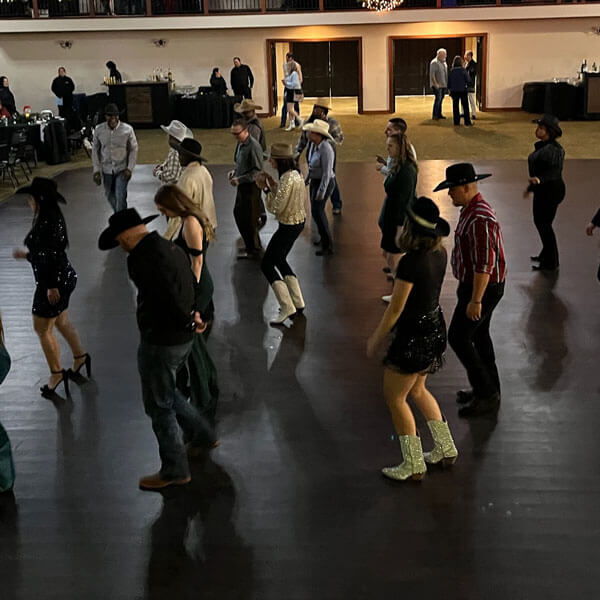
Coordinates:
[518,51]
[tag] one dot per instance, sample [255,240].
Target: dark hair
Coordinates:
[469,52]
[457,62]
[399,123]
[63,68]
[411,240]
[2,79]
[289,55]
[240,123]
[286,164]
[405,154]
[111,65]
[215,70]
[48,210]
[237,58]
[174,199]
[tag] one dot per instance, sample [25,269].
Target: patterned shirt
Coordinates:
[287,204]
[115,149]
[335,131]
[478,243]
[170,170]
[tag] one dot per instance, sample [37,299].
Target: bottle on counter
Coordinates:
[584,66]
[594,68]
[170,75]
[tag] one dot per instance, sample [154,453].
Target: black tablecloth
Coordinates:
[560,99]
[33,137]
[207,111]
[54,148]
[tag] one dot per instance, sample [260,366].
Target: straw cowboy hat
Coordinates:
[246,106]
[318,126]
[177,130]
[323,103]
[460,174]
[282,151]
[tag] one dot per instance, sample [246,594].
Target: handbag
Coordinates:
[298,96]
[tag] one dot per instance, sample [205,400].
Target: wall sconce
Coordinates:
[65,44]
[161,43]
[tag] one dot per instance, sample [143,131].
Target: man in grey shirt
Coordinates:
[438,79]
[248,162]
[114,155]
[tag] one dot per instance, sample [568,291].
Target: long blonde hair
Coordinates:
[405,154]
[172,198]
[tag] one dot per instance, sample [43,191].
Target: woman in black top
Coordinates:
[55,280]
[458,85]
[194,236]
[548,187]
[419,340]
[7,98]
[113,72]
[218,83]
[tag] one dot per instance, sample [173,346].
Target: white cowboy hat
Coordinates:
[318,126]
[246,106]
[178,130]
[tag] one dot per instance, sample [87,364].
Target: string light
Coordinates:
[381,5]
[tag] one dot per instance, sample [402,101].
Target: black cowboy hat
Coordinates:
[118,223]
[192,148]
[460,174]
[112,110]
[424,217]
[551,123]
[43,189]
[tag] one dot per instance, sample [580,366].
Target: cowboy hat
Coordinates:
[550,122]
[323,103]
[424,216]
[245,106]
[118,223]
[192,148]
[460,174]
[177,130]
[112,110]
[42,188]
[282,151]
[318,126]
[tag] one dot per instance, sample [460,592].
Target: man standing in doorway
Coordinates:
[471,68]
[289,59]
[242,79]
[114,155]
[438,78]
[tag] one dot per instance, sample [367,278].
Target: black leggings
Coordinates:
[545,206]
[276,253]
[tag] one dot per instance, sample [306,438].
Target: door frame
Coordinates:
[271,76]
[482,61]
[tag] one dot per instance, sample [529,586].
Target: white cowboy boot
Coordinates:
[295,292]
[444,450]
[286,306]
[291,125]
[413,466]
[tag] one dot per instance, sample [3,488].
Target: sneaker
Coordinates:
[158,482]
[387,299]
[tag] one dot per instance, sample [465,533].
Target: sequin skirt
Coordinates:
[66,285]
[419,344]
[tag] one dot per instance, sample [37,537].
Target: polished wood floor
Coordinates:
[291,506]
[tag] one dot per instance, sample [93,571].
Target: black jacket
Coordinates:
[8,100]
[161,272]
[471,69]
[546,163]
[458,80]
[218,85]
[63,87]
[241,78]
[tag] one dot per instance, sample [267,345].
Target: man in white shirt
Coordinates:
[114,155]
[169,170]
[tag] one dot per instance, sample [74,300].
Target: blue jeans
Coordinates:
[317,208]
[115,190]
[439,94]
[166,406]
[336,199]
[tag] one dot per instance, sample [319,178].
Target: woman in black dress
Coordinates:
[416,320]
[218,83]
[7,98]
[194,236]
[55,280]
[548,187]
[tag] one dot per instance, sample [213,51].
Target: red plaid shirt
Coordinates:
[478,243]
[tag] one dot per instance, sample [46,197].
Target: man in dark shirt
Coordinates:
[161,272]
[242,79]
[63,88]
[471,68]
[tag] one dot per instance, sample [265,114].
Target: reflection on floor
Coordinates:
[291,505]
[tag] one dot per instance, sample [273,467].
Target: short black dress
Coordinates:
[47,242]
[420,333]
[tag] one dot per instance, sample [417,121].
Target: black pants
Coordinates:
[471,340]
[544,211]
[275,258]
[458,99]
[246,213]
[243,91]
[317,208]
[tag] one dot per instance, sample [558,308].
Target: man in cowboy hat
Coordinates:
[161,272]
[114,155]
[320,110]
[479,264]
[196,182]
[169,170]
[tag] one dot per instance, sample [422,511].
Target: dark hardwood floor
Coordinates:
[292,506]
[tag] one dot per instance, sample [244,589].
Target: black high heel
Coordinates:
[49,392]
[87,363]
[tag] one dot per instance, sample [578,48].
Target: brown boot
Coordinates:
[158,482]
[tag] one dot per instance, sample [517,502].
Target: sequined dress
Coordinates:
[47,242]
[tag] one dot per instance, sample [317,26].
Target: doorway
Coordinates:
[410,58]
[330,68]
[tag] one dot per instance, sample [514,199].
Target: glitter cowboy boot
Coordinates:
[413,466]
[444,450]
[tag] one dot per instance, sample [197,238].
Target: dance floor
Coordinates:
[292,506]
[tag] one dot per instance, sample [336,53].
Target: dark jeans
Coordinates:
[275,258]
[245,92]
[439,94]
[336,199]
[317,208]
[544,211]
[165,406]
[471,340]
[246,212]
[458,99]
[284,111]
[115,190]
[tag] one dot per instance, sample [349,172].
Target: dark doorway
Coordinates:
[411,62]
[328,68]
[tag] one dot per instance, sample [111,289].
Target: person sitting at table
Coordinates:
[218,83]
[3,111]
[169,170]
[6,97]
[112,67]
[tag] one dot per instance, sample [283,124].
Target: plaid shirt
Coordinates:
[335,130]
[478,243]
[170,170]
